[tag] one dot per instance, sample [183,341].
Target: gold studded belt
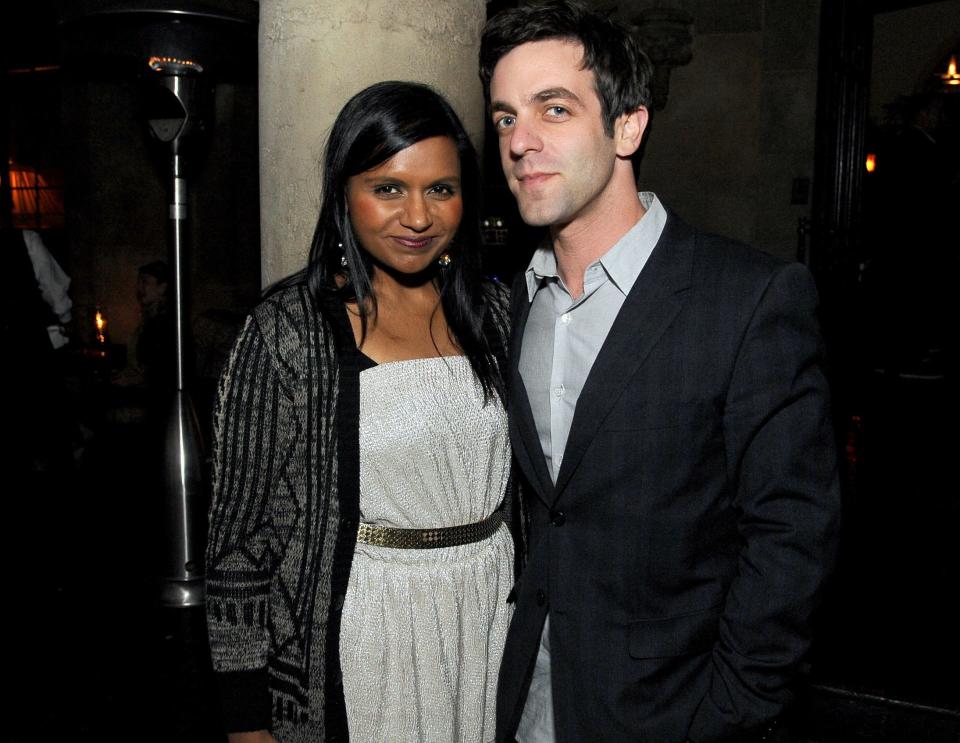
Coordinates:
[418,539]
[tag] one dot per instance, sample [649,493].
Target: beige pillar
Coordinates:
[314,55]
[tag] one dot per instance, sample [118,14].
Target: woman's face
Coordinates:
[406,211]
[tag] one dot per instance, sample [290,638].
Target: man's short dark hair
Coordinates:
[158,270]
[620,68]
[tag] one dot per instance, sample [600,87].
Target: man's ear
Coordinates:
[628,131]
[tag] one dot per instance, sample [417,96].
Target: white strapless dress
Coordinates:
[423,629]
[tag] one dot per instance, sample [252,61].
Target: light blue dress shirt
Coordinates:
[561,340]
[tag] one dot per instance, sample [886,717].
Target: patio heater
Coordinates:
[178,50]
[172,113]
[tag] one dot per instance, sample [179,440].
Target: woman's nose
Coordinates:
[416,214]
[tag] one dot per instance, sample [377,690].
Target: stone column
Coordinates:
[314,55]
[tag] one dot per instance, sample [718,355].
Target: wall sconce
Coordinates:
[871,162]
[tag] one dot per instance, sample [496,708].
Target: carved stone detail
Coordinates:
[666,34]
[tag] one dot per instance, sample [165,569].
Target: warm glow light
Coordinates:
[173,64]
[871,162]
[31,70]
[951,77]
[36,203]
[101,322]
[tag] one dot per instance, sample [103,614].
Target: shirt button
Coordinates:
[541,597]
[565,318]
[558,391]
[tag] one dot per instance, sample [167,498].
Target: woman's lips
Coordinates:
[416,243]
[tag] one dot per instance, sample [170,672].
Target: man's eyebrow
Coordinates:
[551,93]
[548,94]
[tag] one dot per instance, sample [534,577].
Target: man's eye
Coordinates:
[504,122]
[557,111]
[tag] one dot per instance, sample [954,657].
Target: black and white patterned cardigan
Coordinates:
[284,513]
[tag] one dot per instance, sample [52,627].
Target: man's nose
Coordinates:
[524,138]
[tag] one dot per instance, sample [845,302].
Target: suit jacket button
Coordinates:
[557,518]
[541,597]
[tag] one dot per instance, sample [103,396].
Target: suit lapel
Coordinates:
[649,308]
[523,429]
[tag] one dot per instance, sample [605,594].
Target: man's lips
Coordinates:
[534,179]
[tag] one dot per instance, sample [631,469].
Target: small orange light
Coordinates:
[871,162]
[951,76]
[100,321]
[173,64]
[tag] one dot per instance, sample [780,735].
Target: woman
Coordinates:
[358,562]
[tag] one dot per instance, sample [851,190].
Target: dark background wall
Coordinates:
[116,201]
[738,126]
[90,136]
[909,46]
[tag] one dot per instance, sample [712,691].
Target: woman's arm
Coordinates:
[248,437]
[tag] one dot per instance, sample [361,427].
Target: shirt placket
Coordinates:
[561,349]
[562,407]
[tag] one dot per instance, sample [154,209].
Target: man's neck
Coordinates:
[585,240]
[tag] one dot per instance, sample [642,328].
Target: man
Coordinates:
[151,358]
[669,414]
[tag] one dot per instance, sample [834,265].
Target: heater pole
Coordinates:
[182,573]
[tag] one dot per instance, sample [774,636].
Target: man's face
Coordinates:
[555,154]
[150,290]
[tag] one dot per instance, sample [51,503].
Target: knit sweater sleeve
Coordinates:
[249,427]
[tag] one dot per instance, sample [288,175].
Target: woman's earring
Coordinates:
[444,260]
[343,258]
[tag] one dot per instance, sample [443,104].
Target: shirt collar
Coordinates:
[622,262]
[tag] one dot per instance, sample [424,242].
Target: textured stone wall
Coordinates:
[315,54]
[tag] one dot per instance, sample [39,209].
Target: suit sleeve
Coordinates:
[248,427]
[781,454]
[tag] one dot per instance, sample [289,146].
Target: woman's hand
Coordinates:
[254,736]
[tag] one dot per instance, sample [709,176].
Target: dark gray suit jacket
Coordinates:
[695,515]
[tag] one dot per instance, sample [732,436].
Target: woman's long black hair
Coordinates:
[374,125]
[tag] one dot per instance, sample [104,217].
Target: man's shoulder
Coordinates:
[712,249]
[730,270]
[721,250]
[724,260]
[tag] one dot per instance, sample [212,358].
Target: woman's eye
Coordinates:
[442,190]
[386,190]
